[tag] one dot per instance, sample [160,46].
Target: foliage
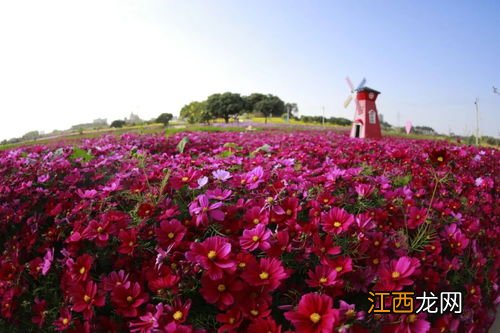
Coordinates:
[118,123]
[225,105]
[164,118]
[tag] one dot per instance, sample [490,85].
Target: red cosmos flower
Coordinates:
[84,297]
[336,221]
[115,279]
[170,232]
[341,264]
[221,292]
[230,320]
[269,273]
[127,300]
[64,321]
[267,325]
[314,314]
[413,323]
[80,269]
[202,210]
[291,207]
[98,231]
[457,240]
[39,312]
[256,238]
[255,215]
[322,276]
[416,217]
[252,179]
[280,244]
[178,311]
[128,240]
[438,157]
[322,248]
[145,210]
[213,254]
[397,274]
[148,322]
[161,278]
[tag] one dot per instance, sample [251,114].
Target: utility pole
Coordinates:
[477,120]
[496,90]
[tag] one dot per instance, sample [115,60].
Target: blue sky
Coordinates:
[64,62]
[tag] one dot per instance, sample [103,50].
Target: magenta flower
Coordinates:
[257,237]
[253,179]
[221,175]
[213,255]
[336,221]
[203,210]
[397,274]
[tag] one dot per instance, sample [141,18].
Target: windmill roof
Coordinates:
[368,89]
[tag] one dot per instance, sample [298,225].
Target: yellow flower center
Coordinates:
[65,321]
[211,254]
[242,265]
[440,159]
[395,275]
[255,221]
[323,249]
[255,238]
[289,212]
[171,235]
[130,243]
[221,287]
[99,229]
[397,245]
[129,299]
[231,320]
[339,268]
[376,243]
[86,298]
[254,312]
[323,280]
[269,199]
[264,276]
[337,224]
[411,318]
[178,315]
[472,291]
[349,313]
[315,317]
[82,270]
[376,261]
[185,179]
[325,200]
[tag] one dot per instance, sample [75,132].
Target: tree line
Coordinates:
[231,105]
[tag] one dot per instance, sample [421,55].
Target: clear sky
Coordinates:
[69,62]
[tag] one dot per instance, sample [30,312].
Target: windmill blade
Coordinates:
[362,84]
[349,83]
[347,101]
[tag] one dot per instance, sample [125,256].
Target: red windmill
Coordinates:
[366,123]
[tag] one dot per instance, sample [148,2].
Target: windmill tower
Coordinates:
[366,122]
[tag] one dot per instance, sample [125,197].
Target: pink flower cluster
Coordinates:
[245,232]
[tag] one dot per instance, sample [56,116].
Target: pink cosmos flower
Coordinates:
[221,175]
[203,210]
[413,323]
[397,274]
[268,273]
[170,233]
[314,314]
[213,255]
[253,179]
[47,261]
[336,221]
[322,276]
[257,237]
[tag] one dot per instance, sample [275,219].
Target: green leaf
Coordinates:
[182,144]
[78,153]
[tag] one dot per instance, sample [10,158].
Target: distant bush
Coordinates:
[118,124]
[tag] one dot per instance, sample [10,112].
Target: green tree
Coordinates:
[225,105]
[270,106]
[164,118]
[117,123]
[195,112]
[252,100]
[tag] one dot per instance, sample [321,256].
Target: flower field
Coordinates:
[268,231]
